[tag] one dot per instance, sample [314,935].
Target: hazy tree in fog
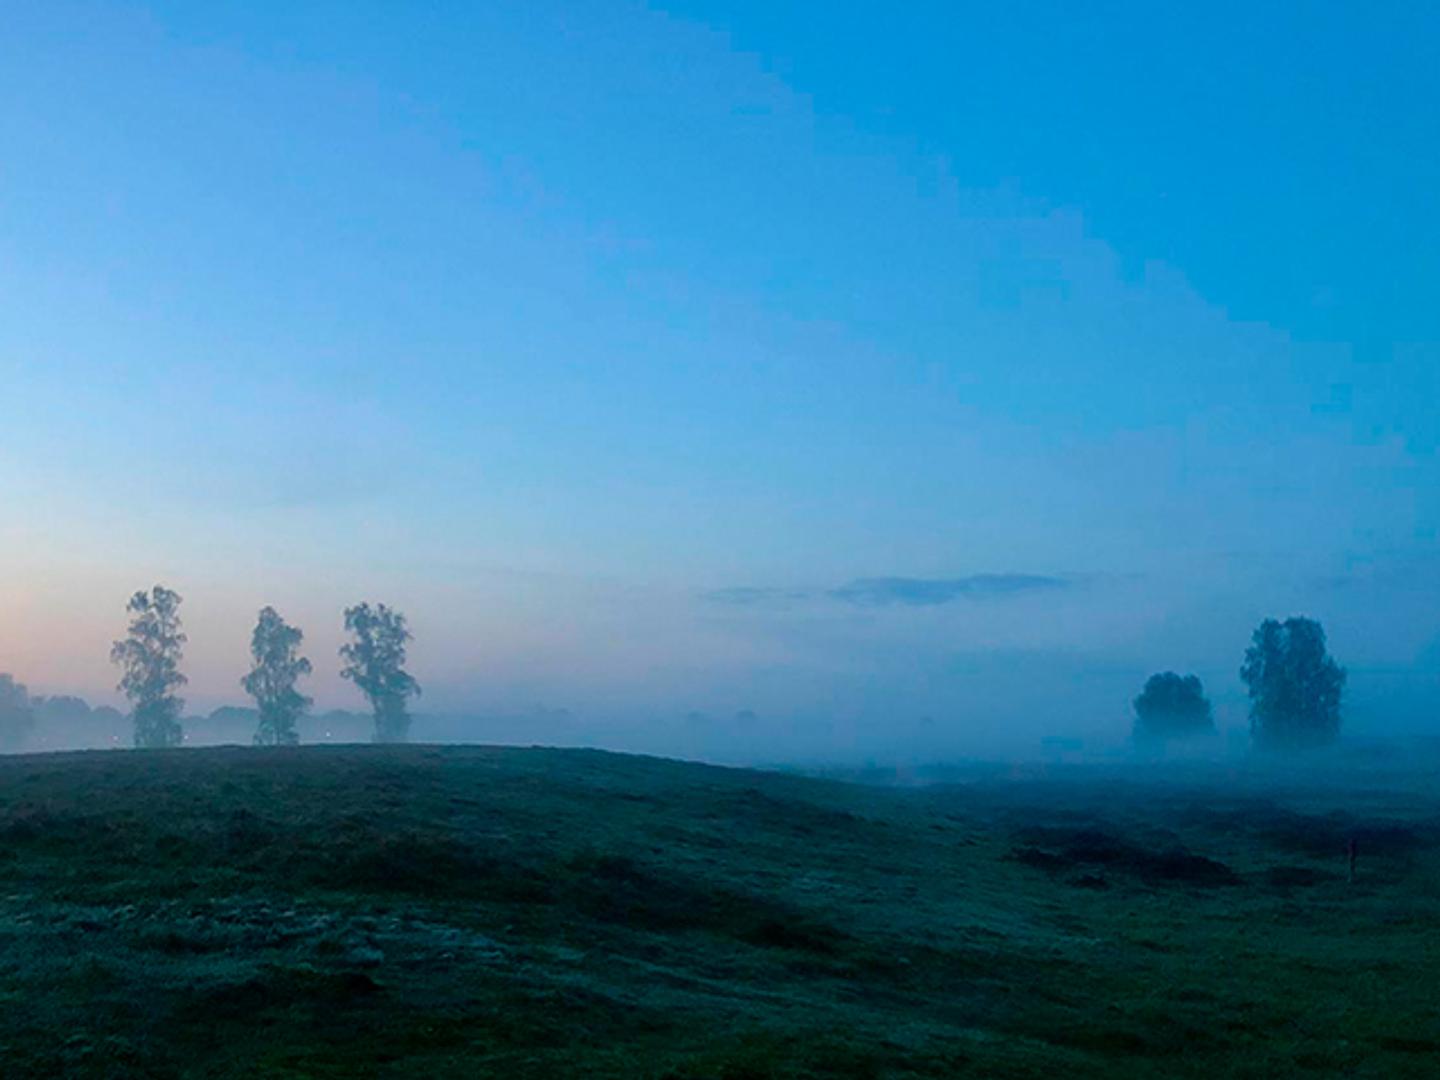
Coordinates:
[1295,685]
[17,717]
[375,662]
[60,710]
[277,666]
[64,720]
[149,657]
[1172,706]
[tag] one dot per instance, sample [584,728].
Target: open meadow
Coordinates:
[469,911]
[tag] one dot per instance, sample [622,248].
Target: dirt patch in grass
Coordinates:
[1318,836]
[408,862]
[1057,850]
[1297,877]
[276,987]
[778,933]
[619,889]
[1332,834]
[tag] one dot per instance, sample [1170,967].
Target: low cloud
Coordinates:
[928,592]
[751,595]
[896,591]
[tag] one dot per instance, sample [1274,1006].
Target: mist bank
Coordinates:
[68,722]
[898,748]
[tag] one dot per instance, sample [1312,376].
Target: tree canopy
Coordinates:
[17,716]
[276,667]
[1295,685]
[375,662]
[1172,706]
[149,658]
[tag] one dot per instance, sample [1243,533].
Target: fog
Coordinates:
[666,370]
[873,672]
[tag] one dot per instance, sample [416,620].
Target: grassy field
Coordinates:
[460,912]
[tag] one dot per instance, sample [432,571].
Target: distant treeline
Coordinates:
[1295,689]
[61,721]
[1295,686]
[150,657]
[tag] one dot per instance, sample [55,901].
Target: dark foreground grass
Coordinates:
[439,912]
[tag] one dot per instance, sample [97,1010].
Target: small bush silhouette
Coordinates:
[1172,706]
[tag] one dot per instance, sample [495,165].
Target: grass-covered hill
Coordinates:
[460,912]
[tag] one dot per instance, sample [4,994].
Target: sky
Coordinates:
[915,379]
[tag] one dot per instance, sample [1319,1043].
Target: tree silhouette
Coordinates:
[374,662]
[17,717]
[1172,706]
[1295,686]
[149,657]
[277,666]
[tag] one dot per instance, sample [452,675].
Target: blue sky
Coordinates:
[615,342]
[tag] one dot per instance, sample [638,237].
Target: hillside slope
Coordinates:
[463,911]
